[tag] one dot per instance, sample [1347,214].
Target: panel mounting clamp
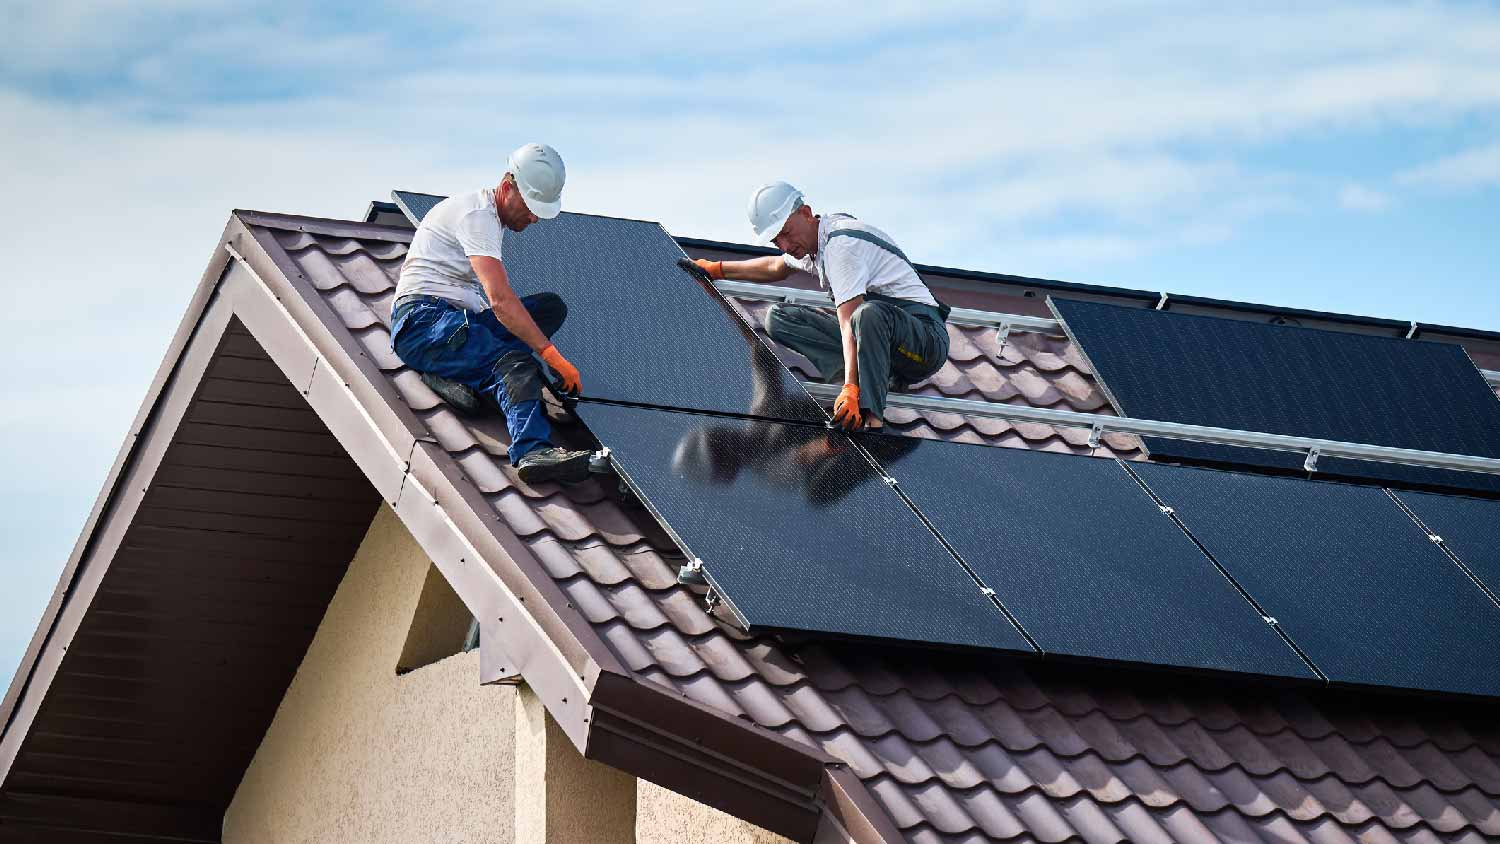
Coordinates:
[1311,463]
[1165,510]
[1271,620]
[987,592]
[1095,432]
[1434,539]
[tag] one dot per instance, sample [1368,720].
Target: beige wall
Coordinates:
[357,753]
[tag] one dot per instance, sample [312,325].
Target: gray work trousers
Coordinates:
[892,342]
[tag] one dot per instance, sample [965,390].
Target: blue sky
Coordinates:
[1341,157]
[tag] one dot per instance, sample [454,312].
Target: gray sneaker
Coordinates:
[550,463]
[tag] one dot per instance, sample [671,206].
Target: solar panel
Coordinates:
[1469,527]
[643,331]
[1349,576]
[415,205]
[1086,561]
[1284,379]
[796,528]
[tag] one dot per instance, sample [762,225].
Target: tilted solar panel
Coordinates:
[1086,561]
[1469,527]
[1348,575]
[415,205]
[1281,379]
[641,330]
[797,529]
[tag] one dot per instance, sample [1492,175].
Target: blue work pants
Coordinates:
[439,337]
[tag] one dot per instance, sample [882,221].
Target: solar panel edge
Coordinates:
[1399,534]
[994,631]
[1462,398]
[943,510]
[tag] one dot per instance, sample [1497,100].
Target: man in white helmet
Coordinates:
[456,319]
[889,327]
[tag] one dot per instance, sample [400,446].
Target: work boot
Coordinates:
[550,463]
[460,396]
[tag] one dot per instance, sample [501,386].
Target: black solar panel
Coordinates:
[1086,561]
[1349,576]
[415,205]
[642,330]
[1290,380]
[797,529]
[1469,527]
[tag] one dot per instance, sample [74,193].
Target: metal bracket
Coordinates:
[600,462]
[712,599]
[1311,463]
[1095,432]
[1414,329]
[889,481]
[1270,620]
[1434,539]
[1161,304]
[1002,334]
[987,592]
[1165,510]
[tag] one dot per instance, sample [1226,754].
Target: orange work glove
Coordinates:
[715,269]
[846,408]
[566,372]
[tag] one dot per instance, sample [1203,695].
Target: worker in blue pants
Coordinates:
[457,320]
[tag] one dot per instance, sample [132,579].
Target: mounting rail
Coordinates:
[1099,423]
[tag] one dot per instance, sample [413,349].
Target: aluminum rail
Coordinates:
[1006,323]
[959,316]
[1099,424]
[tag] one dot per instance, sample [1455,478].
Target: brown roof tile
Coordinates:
[967,749]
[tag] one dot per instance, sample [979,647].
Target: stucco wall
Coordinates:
[666,817]
[359,754]
[356,753]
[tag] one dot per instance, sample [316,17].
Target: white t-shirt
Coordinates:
[437,262]
[847,267]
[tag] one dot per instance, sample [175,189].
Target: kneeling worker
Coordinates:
[456,317]
[890,329]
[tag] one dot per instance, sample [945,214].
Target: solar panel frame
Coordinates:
[1468,528]
[732,490]
[1281,379]
[1085,560]
[1346,573]
[415,205]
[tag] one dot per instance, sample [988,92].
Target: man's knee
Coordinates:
[520,377]
[870,319]
[548,311]
[778,317]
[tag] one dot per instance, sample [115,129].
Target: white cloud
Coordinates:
[1468,170]
[1361,198]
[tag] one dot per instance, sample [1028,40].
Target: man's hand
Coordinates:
[566,372]
[846,408]
[705,271]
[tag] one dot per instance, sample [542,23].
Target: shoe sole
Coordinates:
[567,472]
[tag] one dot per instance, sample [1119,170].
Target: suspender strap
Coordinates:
[867,237]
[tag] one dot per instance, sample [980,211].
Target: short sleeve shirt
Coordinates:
[437,262]
[848,267]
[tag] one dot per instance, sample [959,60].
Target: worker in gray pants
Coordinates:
[888,329]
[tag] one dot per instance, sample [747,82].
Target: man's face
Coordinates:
[512,209]
[799,237]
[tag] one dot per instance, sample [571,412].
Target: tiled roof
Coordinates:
[963,749]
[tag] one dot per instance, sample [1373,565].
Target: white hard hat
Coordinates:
[771,205]
[539,175]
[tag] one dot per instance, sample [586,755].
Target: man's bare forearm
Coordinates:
[768,268]
[506,304]
[846,334]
